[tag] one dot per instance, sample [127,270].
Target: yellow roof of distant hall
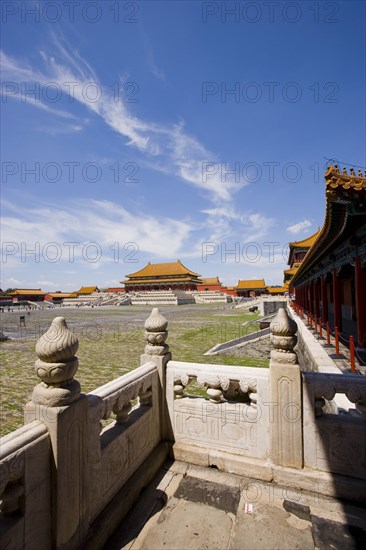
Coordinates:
[158,270]
[291,271]
[87,289]
[255,283]
[32,291]
[305,243]
[276,289]
[211,281]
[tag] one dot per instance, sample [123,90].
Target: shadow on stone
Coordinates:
[209,493]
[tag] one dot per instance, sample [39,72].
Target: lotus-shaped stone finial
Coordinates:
[56,366]
[156,322]
[58,343]
[156,333]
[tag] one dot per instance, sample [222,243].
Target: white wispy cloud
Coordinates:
[172,146]
[299,226]
[100,222]
[226,221]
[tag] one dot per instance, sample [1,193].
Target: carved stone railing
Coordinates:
[118,449]
[243,413]
[334,442]
[71,473]
[87,461]
[227,422]
[25,487]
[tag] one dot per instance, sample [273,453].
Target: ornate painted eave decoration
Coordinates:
[344,193]
[334,178]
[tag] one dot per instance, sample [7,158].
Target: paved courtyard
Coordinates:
[188,507]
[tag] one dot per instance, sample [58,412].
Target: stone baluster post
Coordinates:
[285,391]
[158,351]
[57,402]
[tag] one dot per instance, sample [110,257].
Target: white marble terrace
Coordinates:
[63,476]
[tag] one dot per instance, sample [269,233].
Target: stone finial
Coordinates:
[56,366]
[283,339]
[156,333]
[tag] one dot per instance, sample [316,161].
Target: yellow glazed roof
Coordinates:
[159,280]
[211,281]
[32,291]
[305,243]
[87,289]
[165,269]
[291,271]
[276,289]
[255,283]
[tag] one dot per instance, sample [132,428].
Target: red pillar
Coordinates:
[305,297]
[324,300]
[337,300]
[311,292]
[360,289]
[316,298]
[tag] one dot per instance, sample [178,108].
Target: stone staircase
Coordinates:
[211,297]
[161,297]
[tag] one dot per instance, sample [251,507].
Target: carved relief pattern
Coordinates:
[119,402]
[180,382]
[218,426]
[327,386]
[11,487]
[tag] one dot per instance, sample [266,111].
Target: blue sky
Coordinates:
[152,131]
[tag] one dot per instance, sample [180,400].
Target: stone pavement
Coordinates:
[188,507]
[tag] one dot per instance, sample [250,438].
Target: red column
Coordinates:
[360,289]
[337,300]
[324,300]
[311,292]
[316,298]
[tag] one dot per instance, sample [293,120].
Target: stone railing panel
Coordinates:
[118,449]
[232,416]
[334,442]
[25,488]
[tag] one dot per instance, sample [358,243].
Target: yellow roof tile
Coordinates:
[160,280]
[211,281]
[33,291]
[276,289]
[159,270]
[255,283]
[291,271]
[305,243]
[87,289]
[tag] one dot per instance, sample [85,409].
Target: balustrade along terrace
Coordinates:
[67,481]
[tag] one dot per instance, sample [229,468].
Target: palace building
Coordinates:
[27,295]
[165,276]
[297,252]
[248,288]
[330,282]
[210,283]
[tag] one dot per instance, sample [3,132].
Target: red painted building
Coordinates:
[251,287]
[27,295]
[165,276]
[330,283]
[211,283]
